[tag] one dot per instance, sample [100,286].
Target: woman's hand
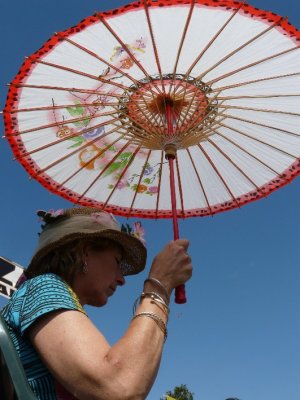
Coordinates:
[172,266]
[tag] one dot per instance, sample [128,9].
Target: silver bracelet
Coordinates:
[160,285]
[155,297]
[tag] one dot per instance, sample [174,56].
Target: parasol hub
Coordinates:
[162,106]
[170,151]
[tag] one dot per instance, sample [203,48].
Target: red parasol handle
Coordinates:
[180,297]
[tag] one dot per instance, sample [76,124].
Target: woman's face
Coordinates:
[102,277]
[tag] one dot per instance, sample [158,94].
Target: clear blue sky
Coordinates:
[239,333]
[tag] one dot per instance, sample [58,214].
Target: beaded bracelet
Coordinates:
[159,321]
[160,285]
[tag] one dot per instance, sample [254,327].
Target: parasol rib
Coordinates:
[199,181]
[89,162]
[187,23]
[75,135]
[133,58]
[204,51]
[159,184]
[136,82]
[233,163]
[253,39]
[59,107]
[70,90]
[104,169]
[218,33]
[192,125]
[91,53]
[254,64]
[154,45]
[121,176]
[81,73]
[219,175]
[247,152]
[67,121]
[240,84]
[264,110]
[271,96]
[258,140]
[259,124]
[139,182]
[79,149]
[180,187]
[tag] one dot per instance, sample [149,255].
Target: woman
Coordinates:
[81,259]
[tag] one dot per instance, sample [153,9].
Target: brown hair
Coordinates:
[66,261]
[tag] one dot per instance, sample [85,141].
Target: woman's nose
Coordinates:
[120,279]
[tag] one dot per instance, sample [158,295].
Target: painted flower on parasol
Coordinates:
[164,109]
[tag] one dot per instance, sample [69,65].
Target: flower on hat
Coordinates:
[49,216]
[137,231]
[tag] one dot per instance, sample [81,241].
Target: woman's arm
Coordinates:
[80,358]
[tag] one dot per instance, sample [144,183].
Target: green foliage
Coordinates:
[181,393]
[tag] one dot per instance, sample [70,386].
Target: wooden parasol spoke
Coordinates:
[70,90]
[199,181]
[259,124]
[154,46]
[254,64]
[102,151]
[219,175]
[194,126]
[233,163]
[132,57]
[180,187]
[259,96]
[69,137]
[265,110]
[65,122]
[110,65]
[121,176]
[105,168]
[81,73]
[59,107]
[295,157]
[214,38]
[79,149]
[186,26]
[154,133]
[159,184]
[277,173]
[241,47]
[130,77]
[240,84]
[139,182]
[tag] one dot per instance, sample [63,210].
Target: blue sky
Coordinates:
[239,333]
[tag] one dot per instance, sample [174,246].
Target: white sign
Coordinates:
[10,272]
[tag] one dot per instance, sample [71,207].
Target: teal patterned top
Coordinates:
[35,298]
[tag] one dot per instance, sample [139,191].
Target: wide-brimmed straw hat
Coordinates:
[64,226]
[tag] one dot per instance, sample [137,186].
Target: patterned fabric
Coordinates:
[34,298]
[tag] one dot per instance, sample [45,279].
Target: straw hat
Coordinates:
[64,226]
